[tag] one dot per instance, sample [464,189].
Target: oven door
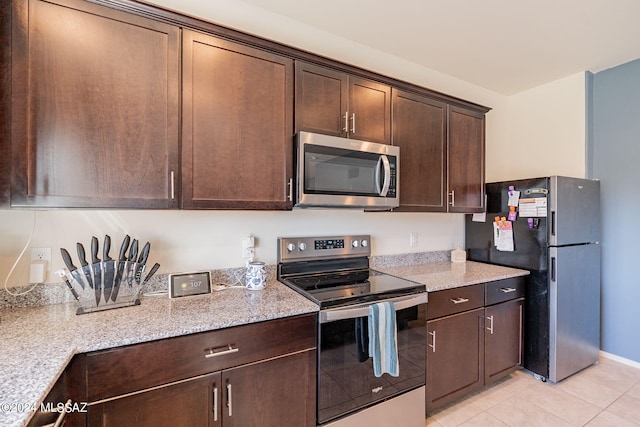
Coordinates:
[343,172]
[346,382]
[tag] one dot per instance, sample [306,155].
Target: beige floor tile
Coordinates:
[431,422]
[634,391]
[607,419]
[612,374]
[517,412]
[590,390]
[626,407]
[484,420]
[564,405]
[456,414]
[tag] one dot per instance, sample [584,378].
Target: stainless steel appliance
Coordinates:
[334,272]
[340,172]
[556,237]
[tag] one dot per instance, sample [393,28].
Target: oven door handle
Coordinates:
[362,310]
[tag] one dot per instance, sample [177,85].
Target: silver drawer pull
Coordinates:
[433,346]
[229,350]
[490,328]
[459,300]
[508,290]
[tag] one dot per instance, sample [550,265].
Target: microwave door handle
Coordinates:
[376,178]
[387,176]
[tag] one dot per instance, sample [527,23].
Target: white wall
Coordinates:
[545,133]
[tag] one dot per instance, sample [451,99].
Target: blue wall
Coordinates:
[613,131]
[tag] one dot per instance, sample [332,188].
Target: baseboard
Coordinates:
[619,359]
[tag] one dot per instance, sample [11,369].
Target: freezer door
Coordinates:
[574,211]
[574,309]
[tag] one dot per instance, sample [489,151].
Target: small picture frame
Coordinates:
[189,284]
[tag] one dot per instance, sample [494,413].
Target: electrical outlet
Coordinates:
[40,255]
[413,239]
[248,248]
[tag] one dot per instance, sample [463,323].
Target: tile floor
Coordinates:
[606,394]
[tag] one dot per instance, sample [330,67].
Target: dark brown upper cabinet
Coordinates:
[441,154]
[336,103]
[95,107]
[237,135]
[419,129]
[465,160]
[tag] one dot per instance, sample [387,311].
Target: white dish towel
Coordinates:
[383,339]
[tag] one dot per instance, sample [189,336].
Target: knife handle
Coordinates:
[133,252]
[94,250]
[81,254]
[123,249]
[106,247]
[153,270]
[144,254]
[67,259]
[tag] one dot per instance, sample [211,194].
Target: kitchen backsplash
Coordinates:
[58,293]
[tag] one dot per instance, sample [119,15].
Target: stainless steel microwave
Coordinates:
[341,172]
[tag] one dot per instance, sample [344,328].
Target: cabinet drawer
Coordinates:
[450,301]
[504,290]
[139,366]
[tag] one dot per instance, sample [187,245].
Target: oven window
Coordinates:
[329,170]
[346,381]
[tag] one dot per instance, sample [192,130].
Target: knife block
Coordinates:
[106,285]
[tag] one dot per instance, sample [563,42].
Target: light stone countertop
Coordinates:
[38,342]
[440,275]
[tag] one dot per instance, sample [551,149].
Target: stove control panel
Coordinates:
[316,248]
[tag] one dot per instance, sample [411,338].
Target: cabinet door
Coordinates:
[237,146]
[321,100]
[193,402]
[419,126]
[95,107]
[369,111]
[503,339]
[454,356]
[275,393]
[466,160]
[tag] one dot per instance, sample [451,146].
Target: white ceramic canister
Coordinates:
[256,277]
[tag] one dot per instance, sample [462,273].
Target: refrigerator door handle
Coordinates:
[553,269]
[553,223]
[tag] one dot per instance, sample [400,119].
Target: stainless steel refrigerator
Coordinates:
[556,237]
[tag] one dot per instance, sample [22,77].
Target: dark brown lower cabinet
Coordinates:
[503,339]
[455,356]
[475,337]
[184,404]
[276,392]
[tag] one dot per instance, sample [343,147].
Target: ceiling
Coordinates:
[503,45]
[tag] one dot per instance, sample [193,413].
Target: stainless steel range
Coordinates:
[334,272]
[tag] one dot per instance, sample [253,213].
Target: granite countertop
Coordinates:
[440,275]
[38,342]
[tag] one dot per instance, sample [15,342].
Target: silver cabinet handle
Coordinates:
[215,403]
[353,123]
[433,342]
[346,122]
[229,350]
[459,300]
[229,400]
[490,328]
[508,290]
[453,198]
[173,185]
[290,185]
